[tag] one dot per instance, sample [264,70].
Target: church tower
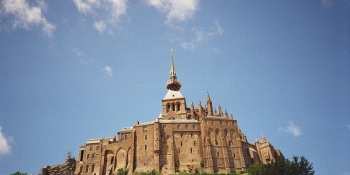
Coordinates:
[174,103]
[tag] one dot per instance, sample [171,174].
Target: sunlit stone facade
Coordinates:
[181,138]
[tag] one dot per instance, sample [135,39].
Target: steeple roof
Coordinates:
[173,83]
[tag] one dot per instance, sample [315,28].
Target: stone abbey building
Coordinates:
[180,139]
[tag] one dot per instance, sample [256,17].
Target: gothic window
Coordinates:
[167,108]
[144,128]
[225,132]
[217,131]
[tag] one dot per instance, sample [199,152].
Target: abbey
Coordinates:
[181,138]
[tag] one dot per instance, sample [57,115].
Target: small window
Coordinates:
[164,126]
[217,154]
[216,142]
[90,148]
[93,156]
[226,123]
[93,168]
[191,150]
[97,147]
[167,108]
[193,126]
[145,147]
[229,143]
[112,159]
[145,137]
[87,168]
[220,122]
[178,126]
[194,143]
[212,122]
[144,128]
[179,150]
[88,156]
[186,126]
[178,107]
[181,143]
[173,107]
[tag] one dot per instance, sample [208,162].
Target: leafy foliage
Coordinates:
[283,167]
[121,171]
[19,173]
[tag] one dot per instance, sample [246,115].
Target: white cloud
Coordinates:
[108,70]
[199,36]
[327,3]
[5,148]
[292,129]
[219,28]
[176,10]
[108,10]
[26,15]
[100,26]
[348,126]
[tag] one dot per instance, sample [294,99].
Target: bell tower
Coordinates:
[174,103]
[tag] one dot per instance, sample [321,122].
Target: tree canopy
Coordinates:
[283,166]
[19,173]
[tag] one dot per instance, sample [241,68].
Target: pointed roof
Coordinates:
[172,83]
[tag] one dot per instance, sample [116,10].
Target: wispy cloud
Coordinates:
[26,15]
[219,28]
[175,10]
[5,148]
[201,35]
[327,3]
[109,10]
[100,26]
[292,129]
[348,126]
[108,70]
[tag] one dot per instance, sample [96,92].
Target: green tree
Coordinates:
[19,173]
[283,167]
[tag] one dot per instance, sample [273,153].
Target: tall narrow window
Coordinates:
[112,159]
[167,108]
[217,154]
[97,147]
[87,168]
[191,150]
[93,167]
[186,126]
[164,126]
[145,137]
[145,147]
[194,143]
[193,126]
[178,106]
[144,128]
[173,107]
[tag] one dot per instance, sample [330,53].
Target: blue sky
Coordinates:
[79,69]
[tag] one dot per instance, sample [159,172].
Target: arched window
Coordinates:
[178,107]
[173,107]
[112,159]
[167,108]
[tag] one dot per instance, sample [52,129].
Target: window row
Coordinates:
[220,122]
[91,148]
[173,107]
[88,156]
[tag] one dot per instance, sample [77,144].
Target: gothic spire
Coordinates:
[172,83]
